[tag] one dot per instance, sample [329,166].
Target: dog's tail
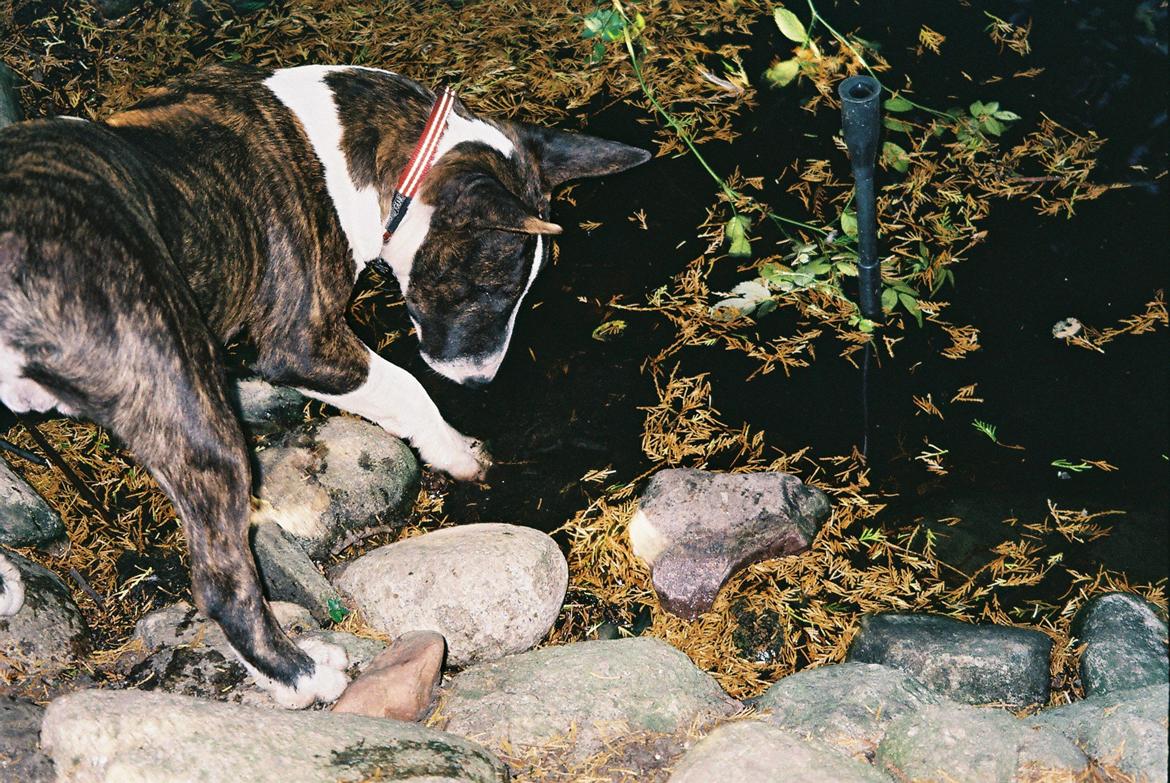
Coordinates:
[11,588]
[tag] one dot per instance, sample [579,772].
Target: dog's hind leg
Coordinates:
[156,381]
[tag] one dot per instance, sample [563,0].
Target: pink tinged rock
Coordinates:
[400,681]
[696,529]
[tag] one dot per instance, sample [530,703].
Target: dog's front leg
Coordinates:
[394,399]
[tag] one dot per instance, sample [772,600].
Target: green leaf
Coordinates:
[605,23]
[911,305]
[977,108]
[897,104]
[991,125]
[865,325]
[337,610]
[895,124]
[847,268]
[598,53]
[889,299]
[782,73]
[991,108]
[1006,116]
[790,26]
[895,156]
[736,233]
[849,223]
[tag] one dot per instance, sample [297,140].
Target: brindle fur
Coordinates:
[131,250]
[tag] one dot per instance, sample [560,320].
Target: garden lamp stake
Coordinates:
[861,122]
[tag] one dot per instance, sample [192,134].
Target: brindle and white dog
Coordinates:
[239,203]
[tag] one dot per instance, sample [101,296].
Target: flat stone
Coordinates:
[696,529]
[973,664]
[25,517]
[489,589]
[1122,729]
[20,729]
[589,690]
[344,475]
[102,736]
[400,682]
[10,110]
[944,742]
[181,625]
[846,705]
[267,409]
[288,574]
[48,630]
[1125,643]
[751,751]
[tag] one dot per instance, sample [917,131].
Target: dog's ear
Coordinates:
[565,156]
[484,203]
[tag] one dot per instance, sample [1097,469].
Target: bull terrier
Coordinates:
[243,204]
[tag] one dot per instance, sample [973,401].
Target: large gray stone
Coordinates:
[288,574]
[954,742]
[105,736]
[1122,729]
[1125,643]
[20,729]
[25,517]
[48,630]
[341,476]
[10,110]
[751,752]
[974,664]
[847,705]
[489,589]
[593,689]
[695,529]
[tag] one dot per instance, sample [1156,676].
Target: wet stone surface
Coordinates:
[20,729]
[751,751]
[25,518]
[288,574]
[596,690]
[847,705]
[695,529]
[1125,644]
[48,630]
[950,741]
[161,738]
[973,664]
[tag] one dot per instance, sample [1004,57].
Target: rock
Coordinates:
[345,475]
[751,751]
[181,625]
[20,729]
[695,529]
[589,690]
[25,517]
[191,671]
[974,664]
[288,574]
[1125,644]
[10,110]
[266,408]
[116,9]
[847,705]
[48,629]
[400,682]
[97,736]
[489,589]
[1122,729]
[953,742]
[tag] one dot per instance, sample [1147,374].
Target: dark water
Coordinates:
[574,407]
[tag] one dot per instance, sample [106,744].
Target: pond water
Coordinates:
[565,403]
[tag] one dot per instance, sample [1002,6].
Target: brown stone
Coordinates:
[400,681]
[695,529]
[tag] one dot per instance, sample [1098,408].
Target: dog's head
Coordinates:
[476,236]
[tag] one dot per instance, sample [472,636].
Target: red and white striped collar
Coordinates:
[420,160]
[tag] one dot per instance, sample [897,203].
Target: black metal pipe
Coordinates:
[861,122]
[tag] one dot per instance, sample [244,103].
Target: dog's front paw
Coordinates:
[325,684]
[460,457]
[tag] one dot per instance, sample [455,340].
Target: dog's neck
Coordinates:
[363,125]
